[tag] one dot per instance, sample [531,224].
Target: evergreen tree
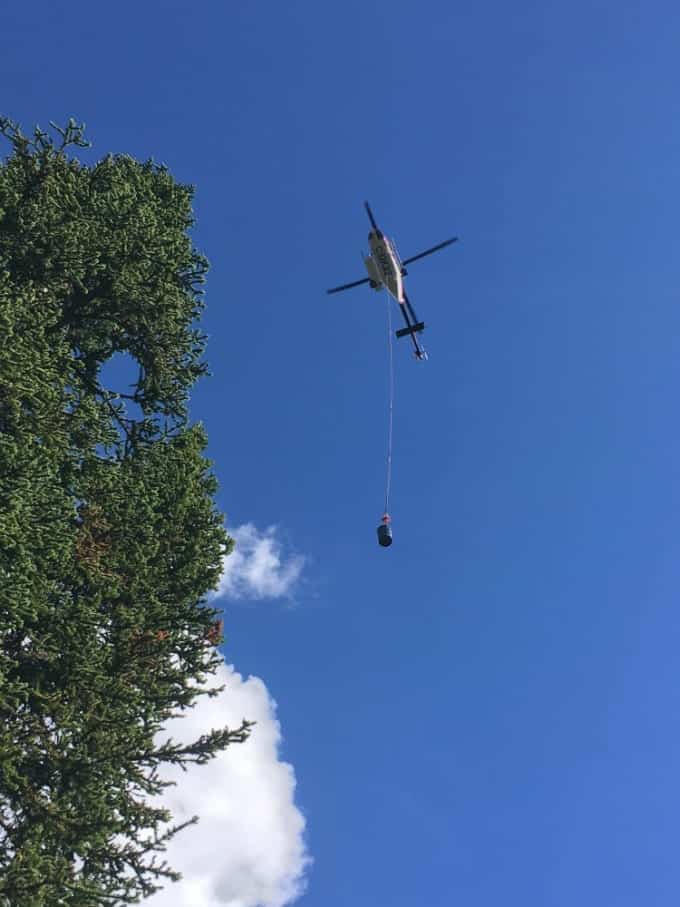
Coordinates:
[109,536]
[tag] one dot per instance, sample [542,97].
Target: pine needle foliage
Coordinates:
[109,536]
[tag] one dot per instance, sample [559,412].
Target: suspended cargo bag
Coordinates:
[385,532]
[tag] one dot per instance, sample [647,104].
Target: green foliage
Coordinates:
[109,537]
[110,242]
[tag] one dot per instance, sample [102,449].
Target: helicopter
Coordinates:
[386,270]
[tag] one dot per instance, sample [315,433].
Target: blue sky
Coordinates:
[487,712]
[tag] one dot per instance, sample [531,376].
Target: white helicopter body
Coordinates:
[384,266]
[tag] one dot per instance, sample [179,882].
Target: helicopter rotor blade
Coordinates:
[370,217]
[441,245]
[348,286]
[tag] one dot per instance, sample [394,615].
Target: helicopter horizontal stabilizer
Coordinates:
[416,328]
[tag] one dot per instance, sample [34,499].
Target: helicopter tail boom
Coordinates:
[413,327]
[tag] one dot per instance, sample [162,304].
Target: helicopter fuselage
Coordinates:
[386,269]
[384,266]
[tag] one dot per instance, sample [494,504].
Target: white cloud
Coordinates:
[248,848]
[258,567]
